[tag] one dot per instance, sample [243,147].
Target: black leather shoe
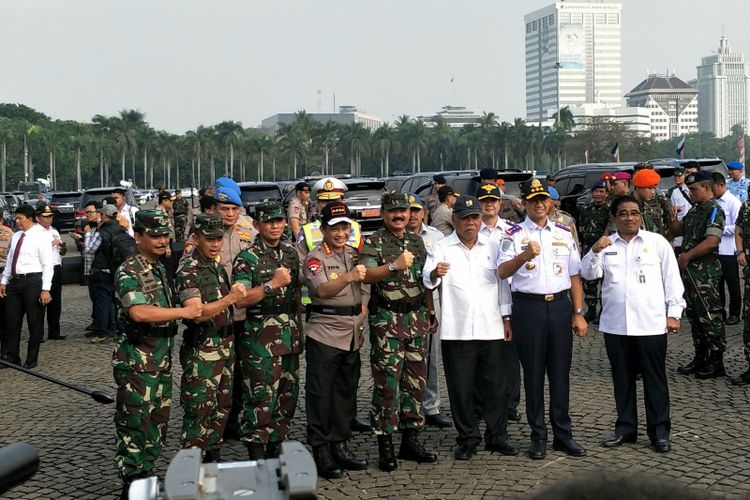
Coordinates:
[662,445]
[569,446]
[465,451]
[743,379]
[273,450]
[386,456]
[212,456]
[439,421]
[327,468]
[233,430]
[692,367]
[57,337]
[514,414]
[538,450]
[501,446]
[256,451]
[618,440]
[91,327]
[345,459]
[712,370]
[732,320]
[411,449]
[358,425]
[30,365]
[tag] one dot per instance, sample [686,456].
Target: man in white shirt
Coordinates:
[465,263]
[730,271]
[680,200]
[44,218]
[430,236]
[127,213]
[542,258]
[641,300]
[25,285]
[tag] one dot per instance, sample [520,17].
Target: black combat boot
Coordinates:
[411,449]
[327,468]
[256,451]
[212,456]
[699,361]
[714,368]
[386,456]
[344,457]
[273,450]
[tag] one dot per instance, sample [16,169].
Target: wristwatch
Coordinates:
[267,288]
[578,311]
[392,267]
[737,253]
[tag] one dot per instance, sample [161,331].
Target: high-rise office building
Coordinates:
[573,57]
[671,103]
[723,91]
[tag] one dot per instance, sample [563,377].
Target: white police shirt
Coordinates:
[641,284]
[550,271]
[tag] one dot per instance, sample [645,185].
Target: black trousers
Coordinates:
[466,362]
[543,336]
[649,353]
[730,274]
[513,374]
[54,308]
[238,400]
[330,392]
[103,296]
[22,299]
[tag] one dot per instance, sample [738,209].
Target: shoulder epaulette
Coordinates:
[513,229]
[562,226]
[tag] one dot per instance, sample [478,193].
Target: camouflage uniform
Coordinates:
[6,234]
[709,336]
[592,225]
[743,222]
[567,220]
[142,363]
[270,346]
[180,209]
[207,351]
[398,326]
[656,214]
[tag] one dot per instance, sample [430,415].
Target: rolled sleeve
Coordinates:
[592,266]
[430,264]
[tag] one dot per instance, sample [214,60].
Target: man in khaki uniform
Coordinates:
[299,211]
[334,337]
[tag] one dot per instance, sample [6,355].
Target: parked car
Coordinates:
[98,194]
[363,197]
[64,205]
[253,193]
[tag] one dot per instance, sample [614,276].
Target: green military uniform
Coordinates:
[180,209]
[270,346]
[567,220]
[142,361]
[207,351]
[743,222]
[656,214]
[592,225]
[398,326]
[701,279]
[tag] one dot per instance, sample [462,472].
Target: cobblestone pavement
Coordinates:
[74,435]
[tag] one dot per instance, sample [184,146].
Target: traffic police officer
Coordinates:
[544,262]
[270,345]
[394,259]
[142,360]
[334,333]
[298,212]
[207,351]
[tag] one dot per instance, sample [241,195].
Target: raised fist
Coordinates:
[281,277]
[237,292]
[358,273]
[193,310]
[404,260]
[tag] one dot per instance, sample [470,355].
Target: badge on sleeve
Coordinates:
[505,245]
[313,265]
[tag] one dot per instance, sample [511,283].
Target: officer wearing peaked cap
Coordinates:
[543,260]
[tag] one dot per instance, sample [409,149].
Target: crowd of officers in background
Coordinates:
[242,284]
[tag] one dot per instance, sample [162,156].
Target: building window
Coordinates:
[528,27]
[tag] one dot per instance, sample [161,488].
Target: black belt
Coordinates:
[27,275]
[541,297]
[277,309]
[354,310]
[402,307]
[161,332]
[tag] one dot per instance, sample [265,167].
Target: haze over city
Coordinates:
[186,63]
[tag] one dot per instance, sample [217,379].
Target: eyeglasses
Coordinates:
[90,212]
[624,214]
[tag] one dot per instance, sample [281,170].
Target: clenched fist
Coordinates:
[441,269]
[237,292]
[281,277]
[533,248]
[358,273]
[601,244]
[404,260]
[192,311]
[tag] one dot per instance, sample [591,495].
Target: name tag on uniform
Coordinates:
[559,244]
[610,253]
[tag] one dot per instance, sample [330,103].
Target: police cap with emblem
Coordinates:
[393,200]
[151,222]
[166,195]
[489,192]
[227,195]
[533,188]
[329,188]
[268,210]
[598,185]
[699,176]
[735,165]
[415,201]
[466,205]
[489,174]
[334,213]
[210,225]
[44,210]
[678,171]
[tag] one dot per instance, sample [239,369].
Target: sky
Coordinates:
[186,63]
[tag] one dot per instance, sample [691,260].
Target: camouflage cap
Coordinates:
[268,210]
[210,225]
[394,200]
[152,222]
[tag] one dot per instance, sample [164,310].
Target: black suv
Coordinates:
[253,193]
[98,194]
[363,197]
[64,205]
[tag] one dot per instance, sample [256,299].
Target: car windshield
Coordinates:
[256,195]
[371,195]
[65,198]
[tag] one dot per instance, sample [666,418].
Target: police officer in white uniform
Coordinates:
[543,260]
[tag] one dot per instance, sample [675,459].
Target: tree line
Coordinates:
[76,155]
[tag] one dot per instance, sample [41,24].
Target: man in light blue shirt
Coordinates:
[738,183]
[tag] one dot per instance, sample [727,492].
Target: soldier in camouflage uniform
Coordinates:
[561,216]
[207,351]
[658,215]
[742,240]
[394,259]
[271,343]
[701,229]
[180,210]
[592,225]
[142,361]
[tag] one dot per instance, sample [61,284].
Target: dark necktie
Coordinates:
[16,253]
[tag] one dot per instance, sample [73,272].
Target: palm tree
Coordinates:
[7,134]
[228,134]
[292,142]
[80,140]
[384,139]
[444,140]
[326,136]
[263,144]
[132,121]
[149,139]
[356,139]
[487,125]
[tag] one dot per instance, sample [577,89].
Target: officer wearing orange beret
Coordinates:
[658,214]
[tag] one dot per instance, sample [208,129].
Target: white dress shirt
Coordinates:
[53,235]
[35,256]
[681,200]
[550,270]
[731,206]
[641,284]
[430,235]
[471,307]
